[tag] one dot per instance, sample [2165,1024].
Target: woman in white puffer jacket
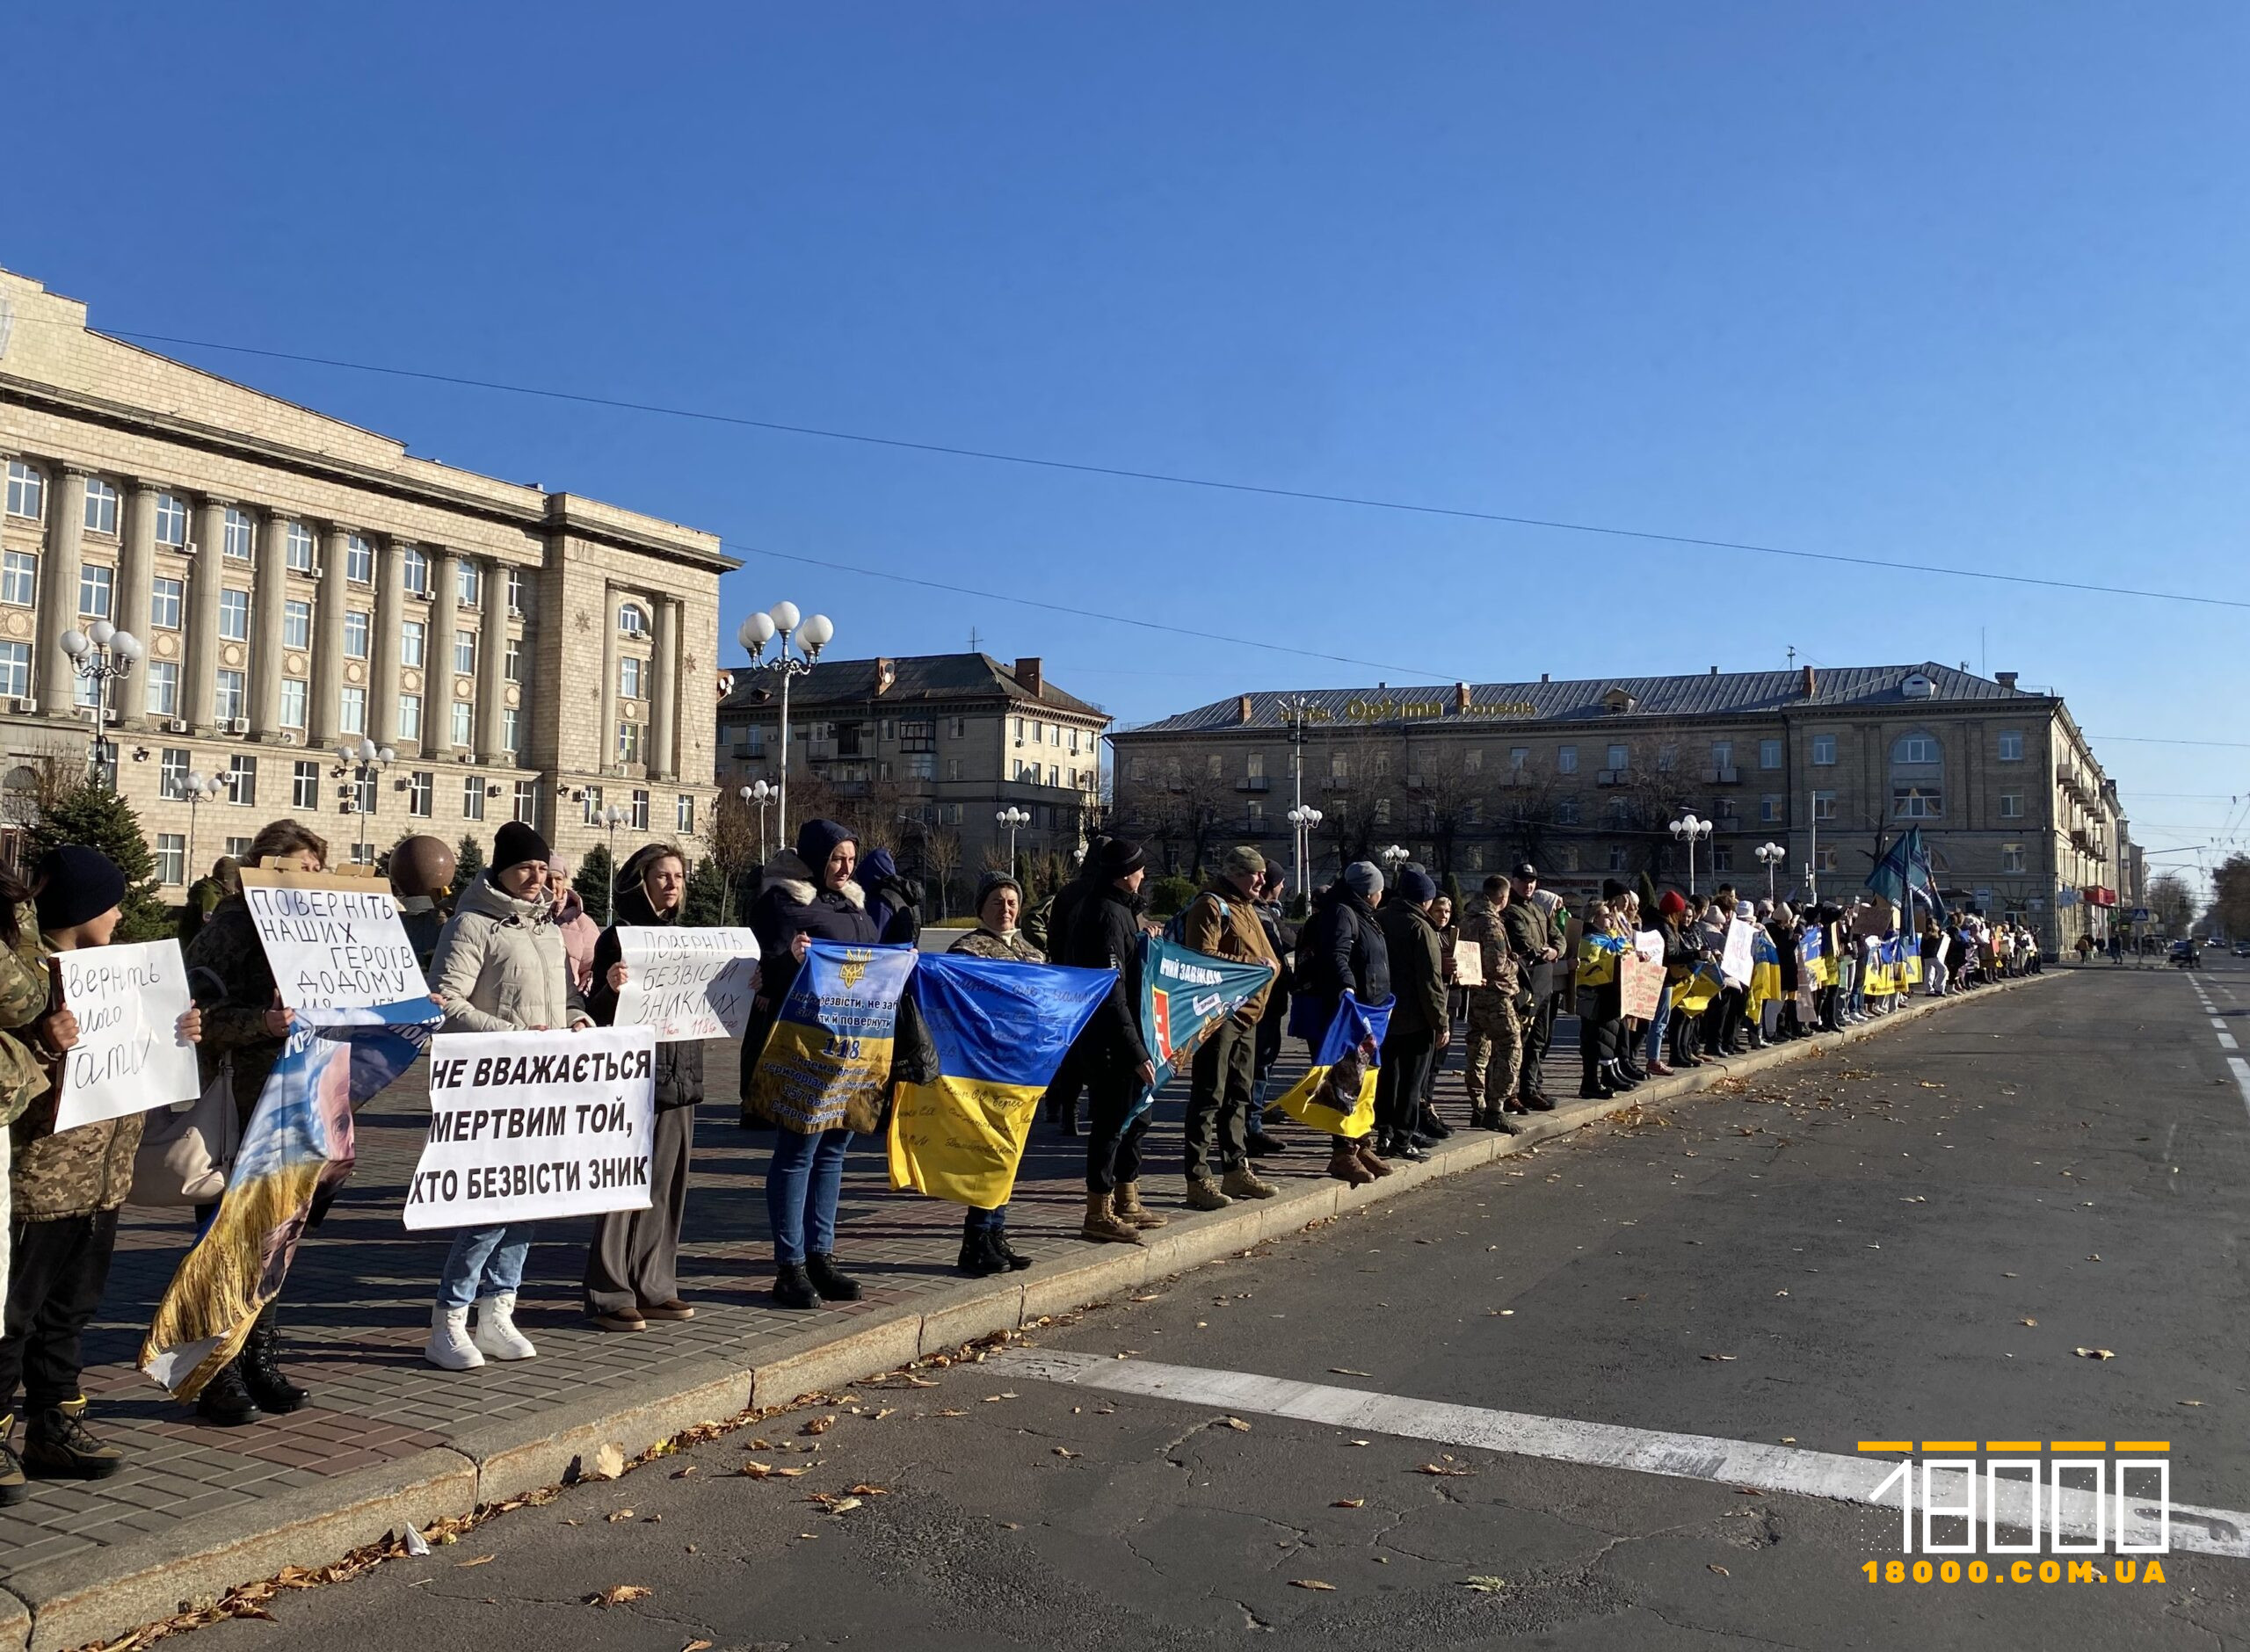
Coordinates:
[499,968]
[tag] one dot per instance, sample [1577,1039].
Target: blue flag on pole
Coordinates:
[1185,995]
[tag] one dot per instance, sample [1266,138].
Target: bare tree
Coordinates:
[940,857]
[2171,903]
[733,838]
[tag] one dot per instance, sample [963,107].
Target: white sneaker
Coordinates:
[450,1348]
[496,1335]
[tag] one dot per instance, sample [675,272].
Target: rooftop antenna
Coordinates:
[975,643]
[1792,657]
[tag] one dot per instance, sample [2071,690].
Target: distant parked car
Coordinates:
[2242,949]
[2187,955]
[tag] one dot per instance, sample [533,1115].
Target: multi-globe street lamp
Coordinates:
[811,636]
[760,794]
[1304,819]
[363,764]
[1770,855]
[99,654]
[1013,818]
[1691,830]
[199,787]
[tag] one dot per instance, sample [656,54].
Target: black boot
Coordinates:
[58,1445]
[226,1401]
[1262,1146]
[262,1375]
[12,1489]
[979,1256]
[833,1285]
[1007,1253]
[1431,1127]
[792,1289]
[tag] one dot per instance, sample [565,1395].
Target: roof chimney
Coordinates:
[2007,679]
[1241,708]
[1461,697]
[1545,678]
[1033,680]
[1811,683]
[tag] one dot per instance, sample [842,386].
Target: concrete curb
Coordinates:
[63,1606]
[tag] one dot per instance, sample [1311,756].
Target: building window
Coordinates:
[296,624]
[304,784]
[1617,856]
[409,718]
[1518,758]
[1566,811]
[16,670]
[629,670]
[364,801]
[957,728]
[421,793]
[516,593]
[164,688]
[631,620]
[359,560]
[20,578]
[511,729]
[1769,809]
[1721,856]
[592,801]
[468,584]
[1917,802]
[164,596]
[464,723]
[412,642]
[292,702]
[85,692]
[472,797]
[1917,777]
[171,521]
[1566,759]
[640,809]
[1214,768]
[171,857]
[298,558]
[683,817]
[357,625]
[952,768]
[240,536]
[1916,748]
[234,696]
[2011,806]
[1769,754]
[172,773]
[101,507]
[414,568]
[1825,861]
[1473,761]
[2012,746]
[94,582]
[1824,807]
[351,711]
[527,802]
[239,847]
[1619,760]
[241,781]
[921,766]
[628,743]
[2012,858]
[1722,757]
[234,615]
[511,661]
[465,653]
[26,491]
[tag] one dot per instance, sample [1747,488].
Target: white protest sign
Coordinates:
[129,1057]
[525,1125]
[686,983]
[1650,944]
[333,943]
[1734,963]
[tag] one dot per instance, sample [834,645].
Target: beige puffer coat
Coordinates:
[500,965]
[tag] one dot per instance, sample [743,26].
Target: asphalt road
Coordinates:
[1867,1239]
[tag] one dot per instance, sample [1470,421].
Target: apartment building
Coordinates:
[299,585]
[1585,778]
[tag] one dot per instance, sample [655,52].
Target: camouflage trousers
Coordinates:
[1495,1046]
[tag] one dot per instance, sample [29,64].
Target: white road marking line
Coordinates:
[2226,1041]
[2241,1070]
[2220,1024]
[1608,1445]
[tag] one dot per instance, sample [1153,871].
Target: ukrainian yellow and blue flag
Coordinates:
[1765,971]
[831,1046]
[1337,1095]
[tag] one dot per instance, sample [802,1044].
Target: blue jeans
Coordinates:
[802,1180]
[974,1221]
[1657,1023]
[484,1262]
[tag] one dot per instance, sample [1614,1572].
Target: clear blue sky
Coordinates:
[1969,284]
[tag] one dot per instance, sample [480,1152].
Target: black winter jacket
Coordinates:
[1417,970]
[1341,946]
[679,1064]
[1105,933]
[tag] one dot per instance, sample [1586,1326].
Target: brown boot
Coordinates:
[1247,1184]
[1344,1164]
[1102,1225]
[1373,1166]
[1203,1194]
[1130,1210]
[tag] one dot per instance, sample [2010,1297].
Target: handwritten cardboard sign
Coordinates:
[1640,985]
[130,1057]
[687,983]
[333,942]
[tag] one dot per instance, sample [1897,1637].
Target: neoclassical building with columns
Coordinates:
[298,585]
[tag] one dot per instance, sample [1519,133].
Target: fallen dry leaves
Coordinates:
[2095,1353]
[618,1595]
[1349,1502]
[1312,1582]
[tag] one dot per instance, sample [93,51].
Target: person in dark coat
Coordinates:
[1113,1059]
[1420,1025]
[632,1262]
[1047,928]
[1281,936]
[810,894]
[894,901]
[1342,948]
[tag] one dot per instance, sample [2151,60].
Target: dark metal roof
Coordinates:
[1723,693]
[921,679]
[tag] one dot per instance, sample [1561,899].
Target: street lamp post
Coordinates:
[100,654]
[1393,858]
[200,787]
[1304,820]
[761,795]
[615,815]
[1771,855]
[1013,817]
[812,635]
[363,764]
[1690,830]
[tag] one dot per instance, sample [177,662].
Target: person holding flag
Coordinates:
[1419,1024]
[984,1247]
[1110,1053]
[1340,951]
[1222,922]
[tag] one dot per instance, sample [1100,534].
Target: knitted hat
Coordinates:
[1670,903]
[516,843]
[75,883]
[817,839]
[1242,861]
[990,881]
[1364,879]
[1416,887]
[1611,889]
[1116,857]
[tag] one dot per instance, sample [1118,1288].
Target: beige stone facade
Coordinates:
[298,582]
[1584,778]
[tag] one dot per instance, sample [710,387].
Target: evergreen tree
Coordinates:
[592,883]
[1452,890]
[469,861]
[706,900]
[100,819]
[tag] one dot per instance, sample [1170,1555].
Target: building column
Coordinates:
[267,604]
[383,680]
[58,591]
[136,567]
[663,720]
[438,674]
[326,713]
[605,760]
[491,656]
[203,584]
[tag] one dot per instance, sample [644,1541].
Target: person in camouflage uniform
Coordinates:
[984,1247]
[23,1080]
[67,1186]
[1495,1043]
